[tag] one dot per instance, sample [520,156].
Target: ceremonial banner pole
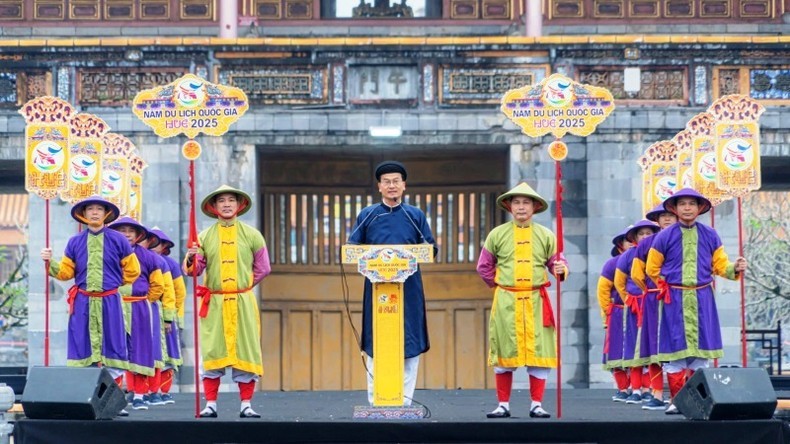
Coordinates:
[743,285]
[738,165]
[193,239]
[46,286]
[560,248]
[46,155]
[713,225]
[558,106]
[191,105]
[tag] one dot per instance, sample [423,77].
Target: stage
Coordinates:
[456,416]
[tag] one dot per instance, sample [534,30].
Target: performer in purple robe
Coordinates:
[172,336]
[682,262]
[100,261]
[137,298]
[648,333]
[612,317]
[634,299]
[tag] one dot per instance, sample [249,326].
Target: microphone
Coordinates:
[422,236]
[361,224]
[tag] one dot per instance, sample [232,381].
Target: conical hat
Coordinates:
[630,235]
[672,201]
[79,208]
[127,221]
[655,212]
[161,236]
[523,189]
[618,239]
[245,203]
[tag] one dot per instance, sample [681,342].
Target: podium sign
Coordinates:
[387,267]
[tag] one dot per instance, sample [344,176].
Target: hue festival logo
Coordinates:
[707,167]
[665,187]
[189,93]
[110,184]
[738,154]
[386,255]
[48,157]
[557,93]
[688,178]
[83,169]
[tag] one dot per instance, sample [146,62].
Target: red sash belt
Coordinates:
[548,313]
[663,289]
[134,298]
[72,295]
[608,322]
[205,293]
[634,302]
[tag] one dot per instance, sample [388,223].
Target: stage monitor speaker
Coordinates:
[71,393]
[727,393]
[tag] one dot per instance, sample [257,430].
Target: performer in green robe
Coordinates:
[515,261]
[235,259]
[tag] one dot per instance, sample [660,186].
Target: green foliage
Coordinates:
[767,250]
[13,293]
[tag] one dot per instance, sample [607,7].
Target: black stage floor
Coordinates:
[457,416]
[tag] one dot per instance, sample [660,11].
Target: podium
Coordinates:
[387,267]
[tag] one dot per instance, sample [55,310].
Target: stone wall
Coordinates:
[601,195]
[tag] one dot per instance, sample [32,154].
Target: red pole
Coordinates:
[192,239]
[560,246]
[46,286]
[743,285]
[713,225]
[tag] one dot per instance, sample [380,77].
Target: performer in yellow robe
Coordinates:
[514,261]
[235,259]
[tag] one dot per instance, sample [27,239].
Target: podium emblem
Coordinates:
[387,264]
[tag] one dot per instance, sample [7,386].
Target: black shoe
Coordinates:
[208,412]
[499,412]
[248,413]
[538,412]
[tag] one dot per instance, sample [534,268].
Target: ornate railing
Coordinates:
[770,340]
[205,12]
[666,11]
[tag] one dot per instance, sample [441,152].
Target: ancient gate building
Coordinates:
[323,76]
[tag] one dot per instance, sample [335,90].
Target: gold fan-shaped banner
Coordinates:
[558,106]
[86,147]
[703,147]
[117,170]
[46,145]
[662,170]
[737,143]
[190,106]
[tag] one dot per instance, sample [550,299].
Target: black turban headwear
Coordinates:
[390,166]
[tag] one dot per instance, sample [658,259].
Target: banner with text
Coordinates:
[558,105]
[190,106]
[46,145]
[703,147]
[663,171]
[85,150]
[737,143]
[116,170]
[136,167]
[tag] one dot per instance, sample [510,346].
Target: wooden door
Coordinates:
[311,303]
